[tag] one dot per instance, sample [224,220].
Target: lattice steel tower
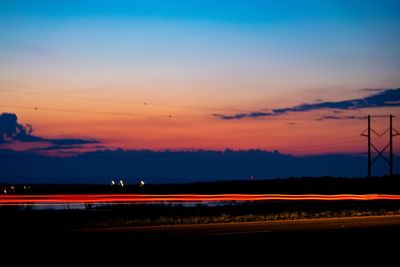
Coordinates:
[392,133]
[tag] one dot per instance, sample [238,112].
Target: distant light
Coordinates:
[141,183]
[112,182]
[121,183]
[5,191]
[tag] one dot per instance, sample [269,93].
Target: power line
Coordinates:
[130,103]
[171,116]
[144,103]
[91,112]
[348,141]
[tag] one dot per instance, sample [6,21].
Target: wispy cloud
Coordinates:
[330,117]
[381,98]
[372,89]
[11,130]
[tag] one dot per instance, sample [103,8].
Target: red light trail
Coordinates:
[48,200]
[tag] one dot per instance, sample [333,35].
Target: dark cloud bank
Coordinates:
[379,98]
[11,130]
[176,167]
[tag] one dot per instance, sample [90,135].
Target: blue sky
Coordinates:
[224,57]
[228,11]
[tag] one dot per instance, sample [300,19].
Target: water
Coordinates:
[82,206]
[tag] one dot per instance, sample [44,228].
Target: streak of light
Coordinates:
[59,199]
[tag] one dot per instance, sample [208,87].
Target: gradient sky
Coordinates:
[151,74]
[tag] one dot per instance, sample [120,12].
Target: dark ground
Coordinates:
[295,185]
[31,237]
[65,238]
[335,240]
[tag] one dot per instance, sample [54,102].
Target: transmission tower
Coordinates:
[392,133]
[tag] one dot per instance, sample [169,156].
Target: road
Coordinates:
[108,246]
[223,231]
[253,228]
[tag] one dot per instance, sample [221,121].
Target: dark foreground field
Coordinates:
[109,237]
[295,185]
[300,241]
[252,233]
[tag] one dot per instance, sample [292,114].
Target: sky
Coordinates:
[187,75]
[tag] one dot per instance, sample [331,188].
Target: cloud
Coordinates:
[55,148]
[72,141]
[372,89]
[174,166]
[11,130]
[381,98]
[330,117]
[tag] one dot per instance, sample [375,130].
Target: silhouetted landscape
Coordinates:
[176,166]
[295,185]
